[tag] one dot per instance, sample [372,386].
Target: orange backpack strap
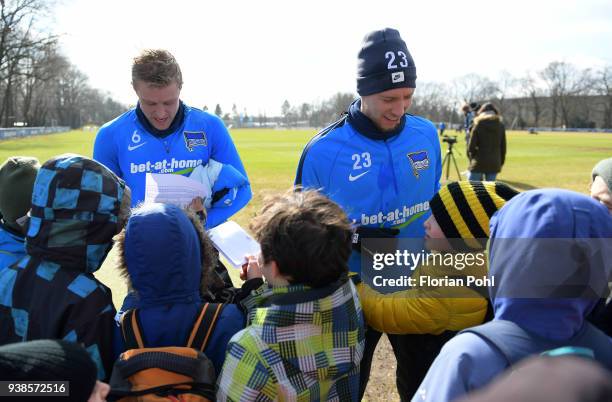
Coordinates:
[204,326]
[130,329]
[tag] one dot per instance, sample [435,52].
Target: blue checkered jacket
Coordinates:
[51,293]
[12,247]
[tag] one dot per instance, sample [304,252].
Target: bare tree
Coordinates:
[43,104]
[18,41]
[565,83]
[434,101]
[70,92]
[534,92]
[331,109]
[262,119]
[38,69]
[218,110]
[235,115]
[340,102]
[604,88]
[474,87]
[38,85]
[286,112]
[305,111]
[506,86]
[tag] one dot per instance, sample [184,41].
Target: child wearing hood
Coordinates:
[550,257]
[168,261]
[78,205]
[225,186]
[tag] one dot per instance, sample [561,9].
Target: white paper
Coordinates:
[233,242]
[173,189]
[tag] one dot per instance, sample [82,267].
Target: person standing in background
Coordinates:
[487,145]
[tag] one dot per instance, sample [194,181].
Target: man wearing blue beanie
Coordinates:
[382,166]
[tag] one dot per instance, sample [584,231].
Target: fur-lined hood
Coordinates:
[487,116]
[165,255]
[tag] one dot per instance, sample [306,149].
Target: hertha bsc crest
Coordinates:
[194,139]
[419,161]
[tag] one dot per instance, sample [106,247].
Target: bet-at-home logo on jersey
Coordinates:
[194,139]
[419,161]
[400,216]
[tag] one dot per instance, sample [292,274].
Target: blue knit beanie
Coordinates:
[384,63]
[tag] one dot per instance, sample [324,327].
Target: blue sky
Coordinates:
[258,53]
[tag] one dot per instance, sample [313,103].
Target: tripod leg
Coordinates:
[446,161]
[456,167]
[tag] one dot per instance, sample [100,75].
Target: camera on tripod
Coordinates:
[449,139]
[450,155]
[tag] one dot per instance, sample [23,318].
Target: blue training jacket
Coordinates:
[129,150]
[469,362]
[383,181]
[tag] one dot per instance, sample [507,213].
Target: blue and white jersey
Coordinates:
[384,183]
[129,150]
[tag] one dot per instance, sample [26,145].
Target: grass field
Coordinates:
[545,160]
[271,156]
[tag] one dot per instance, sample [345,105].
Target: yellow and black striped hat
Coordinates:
[463,209]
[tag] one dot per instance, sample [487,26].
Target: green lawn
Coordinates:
[45,146]
[271,156]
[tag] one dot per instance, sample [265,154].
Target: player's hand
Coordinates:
[368,232]
[251,269]
[197,204]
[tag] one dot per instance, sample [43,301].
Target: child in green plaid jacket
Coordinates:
[305,336]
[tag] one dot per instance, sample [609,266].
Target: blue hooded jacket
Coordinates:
[468,362]
[162,254]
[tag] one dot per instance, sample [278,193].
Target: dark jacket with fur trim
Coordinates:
[487,146]
[167,276]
